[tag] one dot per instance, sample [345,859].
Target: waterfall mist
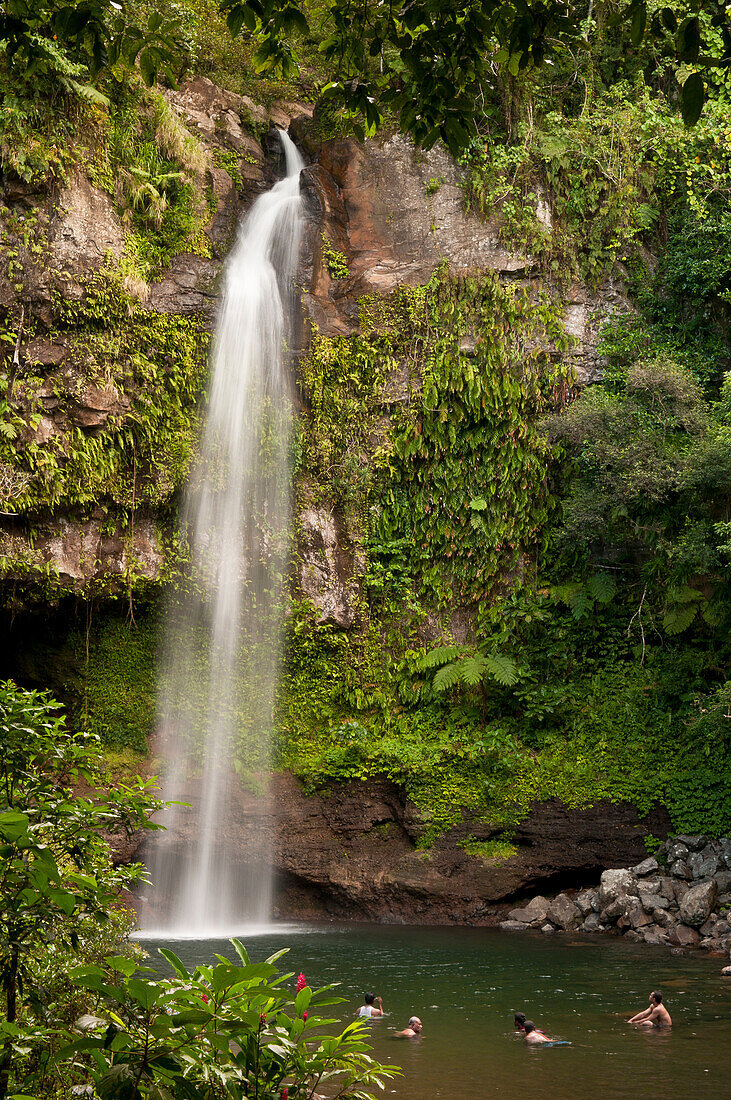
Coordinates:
[222,643]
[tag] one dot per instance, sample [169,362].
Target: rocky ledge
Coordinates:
[680,897]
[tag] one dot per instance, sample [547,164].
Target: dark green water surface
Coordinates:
[466,983]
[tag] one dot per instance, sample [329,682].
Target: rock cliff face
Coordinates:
[394,215]
[352,853]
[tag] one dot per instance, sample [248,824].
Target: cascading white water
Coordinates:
[223,628]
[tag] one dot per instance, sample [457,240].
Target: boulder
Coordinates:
[724,847]
[726,971]
[652,901]
[548,929]
[697,905]
[681,889]
[535,910]
[683,936]
[637,916]
[632,936]
[588,901]
[653,935]
[678,851]
[647,867]
[702,866]
[616,882]
[663,918]
[591,924]
[615,911]
[692,843]
[680,869]
[512,926]
[723,881]
[667,887]
[563,912]
[715,926]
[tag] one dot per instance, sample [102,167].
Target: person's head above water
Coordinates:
[519,1019]
[529,1026]
[370,998]
[656,997]
[415,1023]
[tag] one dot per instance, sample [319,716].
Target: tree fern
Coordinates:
[433,658]
[502,669]
[447,677]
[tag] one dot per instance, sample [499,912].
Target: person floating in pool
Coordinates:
[369,1011]
[412,1031]
[531,1034]
[655,1016]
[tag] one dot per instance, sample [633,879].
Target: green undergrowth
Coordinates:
[585,724]
[151,368]
[602,182]
[118,660]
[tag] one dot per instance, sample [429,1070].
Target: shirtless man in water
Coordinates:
[412,1031]
[655,1016]
[531,1034]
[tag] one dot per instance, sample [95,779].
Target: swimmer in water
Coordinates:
[519,1021]
[655,1016]
[531,1034]
[412,1031]
[369,1011]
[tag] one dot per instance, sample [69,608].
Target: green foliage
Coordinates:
[335,262]
[51,41]
[55,868]
[231,1030]
[464,486]
[155,363]
[118,704]
[495,850]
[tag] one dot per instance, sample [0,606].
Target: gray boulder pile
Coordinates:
[681,897]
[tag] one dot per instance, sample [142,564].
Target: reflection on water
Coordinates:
[466,983]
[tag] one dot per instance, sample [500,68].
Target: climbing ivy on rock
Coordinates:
[465,483]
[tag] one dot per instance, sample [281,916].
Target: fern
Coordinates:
[472,670]
[502,669]
[447,677]
[601,587]
[433,658]
[677,619]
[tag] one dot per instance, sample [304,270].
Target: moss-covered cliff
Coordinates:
[509,561]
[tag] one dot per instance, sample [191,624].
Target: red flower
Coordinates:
[304,1015]
[263,1019]
[205,998]
[301,982]
[285,1093]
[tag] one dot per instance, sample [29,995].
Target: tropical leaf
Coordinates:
[502,669]
[677,619]
[447,677]
[472,669]
[440,655]
[601,587]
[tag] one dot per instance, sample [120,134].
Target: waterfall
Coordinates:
[221,652]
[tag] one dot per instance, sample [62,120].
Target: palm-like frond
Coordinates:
[502,669]
[439,655]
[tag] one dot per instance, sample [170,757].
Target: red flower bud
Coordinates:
[263,1019]
[301,982]
[304,1015]
[285,1093]
[205,998]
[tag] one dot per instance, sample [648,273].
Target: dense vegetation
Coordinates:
[544,570]
[578,542]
